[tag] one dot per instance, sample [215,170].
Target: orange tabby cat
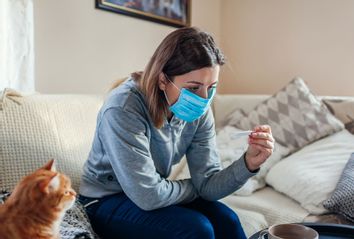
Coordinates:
[37,205]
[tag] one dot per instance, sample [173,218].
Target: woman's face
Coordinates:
[197,81]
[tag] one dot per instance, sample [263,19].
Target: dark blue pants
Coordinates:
[116,216]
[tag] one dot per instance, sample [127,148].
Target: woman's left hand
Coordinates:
[260,147]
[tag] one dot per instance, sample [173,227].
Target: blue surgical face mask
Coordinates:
[190,106]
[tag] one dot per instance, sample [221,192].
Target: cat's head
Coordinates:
[46,188]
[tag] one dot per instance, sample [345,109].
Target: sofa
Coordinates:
[38,127]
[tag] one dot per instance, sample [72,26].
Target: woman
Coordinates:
[144,127]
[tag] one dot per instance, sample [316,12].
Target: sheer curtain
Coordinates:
[16,45]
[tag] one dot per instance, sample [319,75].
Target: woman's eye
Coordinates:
[211,88]
[193,89]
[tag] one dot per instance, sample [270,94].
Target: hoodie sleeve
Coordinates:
[124,139]
[211,181]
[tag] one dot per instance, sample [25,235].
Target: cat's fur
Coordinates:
[37,205]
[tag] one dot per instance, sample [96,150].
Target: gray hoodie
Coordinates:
[129,154]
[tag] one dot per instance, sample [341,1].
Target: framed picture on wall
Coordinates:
[169,12]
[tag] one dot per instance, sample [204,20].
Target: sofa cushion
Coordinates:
[310,175]
[295,115]
[39,127]
[276,207]
[251,221]
[342,199]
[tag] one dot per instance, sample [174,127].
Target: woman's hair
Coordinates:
[184,50]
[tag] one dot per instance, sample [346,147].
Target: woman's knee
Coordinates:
[198,226]
[227,214]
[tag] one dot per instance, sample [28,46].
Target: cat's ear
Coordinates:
[50,165]
[50,184]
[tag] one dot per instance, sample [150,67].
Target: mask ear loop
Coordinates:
[169,103]
[171,82]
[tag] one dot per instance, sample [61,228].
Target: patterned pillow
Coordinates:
[343,109]
[234,117]
[342,199]
[296,116]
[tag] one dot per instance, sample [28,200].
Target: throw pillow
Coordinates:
[343,109]
[310,175]
[36,128]
[342,199]
[234,117]
[296,116]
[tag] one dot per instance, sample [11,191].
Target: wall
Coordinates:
[80,49]
[269,42]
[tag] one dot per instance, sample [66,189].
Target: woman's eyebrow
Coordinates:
[199,83]
[195,82]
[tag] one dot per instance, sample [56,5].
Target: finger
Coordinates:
[264,150]
[263,128]
[263,143]
[260,135]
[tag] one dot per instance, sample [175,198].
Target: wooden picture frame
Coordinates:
[174,13]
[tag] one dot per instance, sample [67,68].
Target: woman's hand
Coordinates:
[260,147]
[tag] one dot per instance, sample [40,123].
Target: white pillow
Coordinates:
[310,175]
[231,148]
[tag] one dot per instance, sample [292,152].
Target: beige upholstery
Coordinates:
[39,127]
[274,206]
[251,221]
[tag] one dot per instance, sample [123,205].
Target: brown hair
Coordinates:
[184,50]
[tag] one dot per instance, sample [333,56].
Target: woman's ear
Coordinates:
[162,81]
